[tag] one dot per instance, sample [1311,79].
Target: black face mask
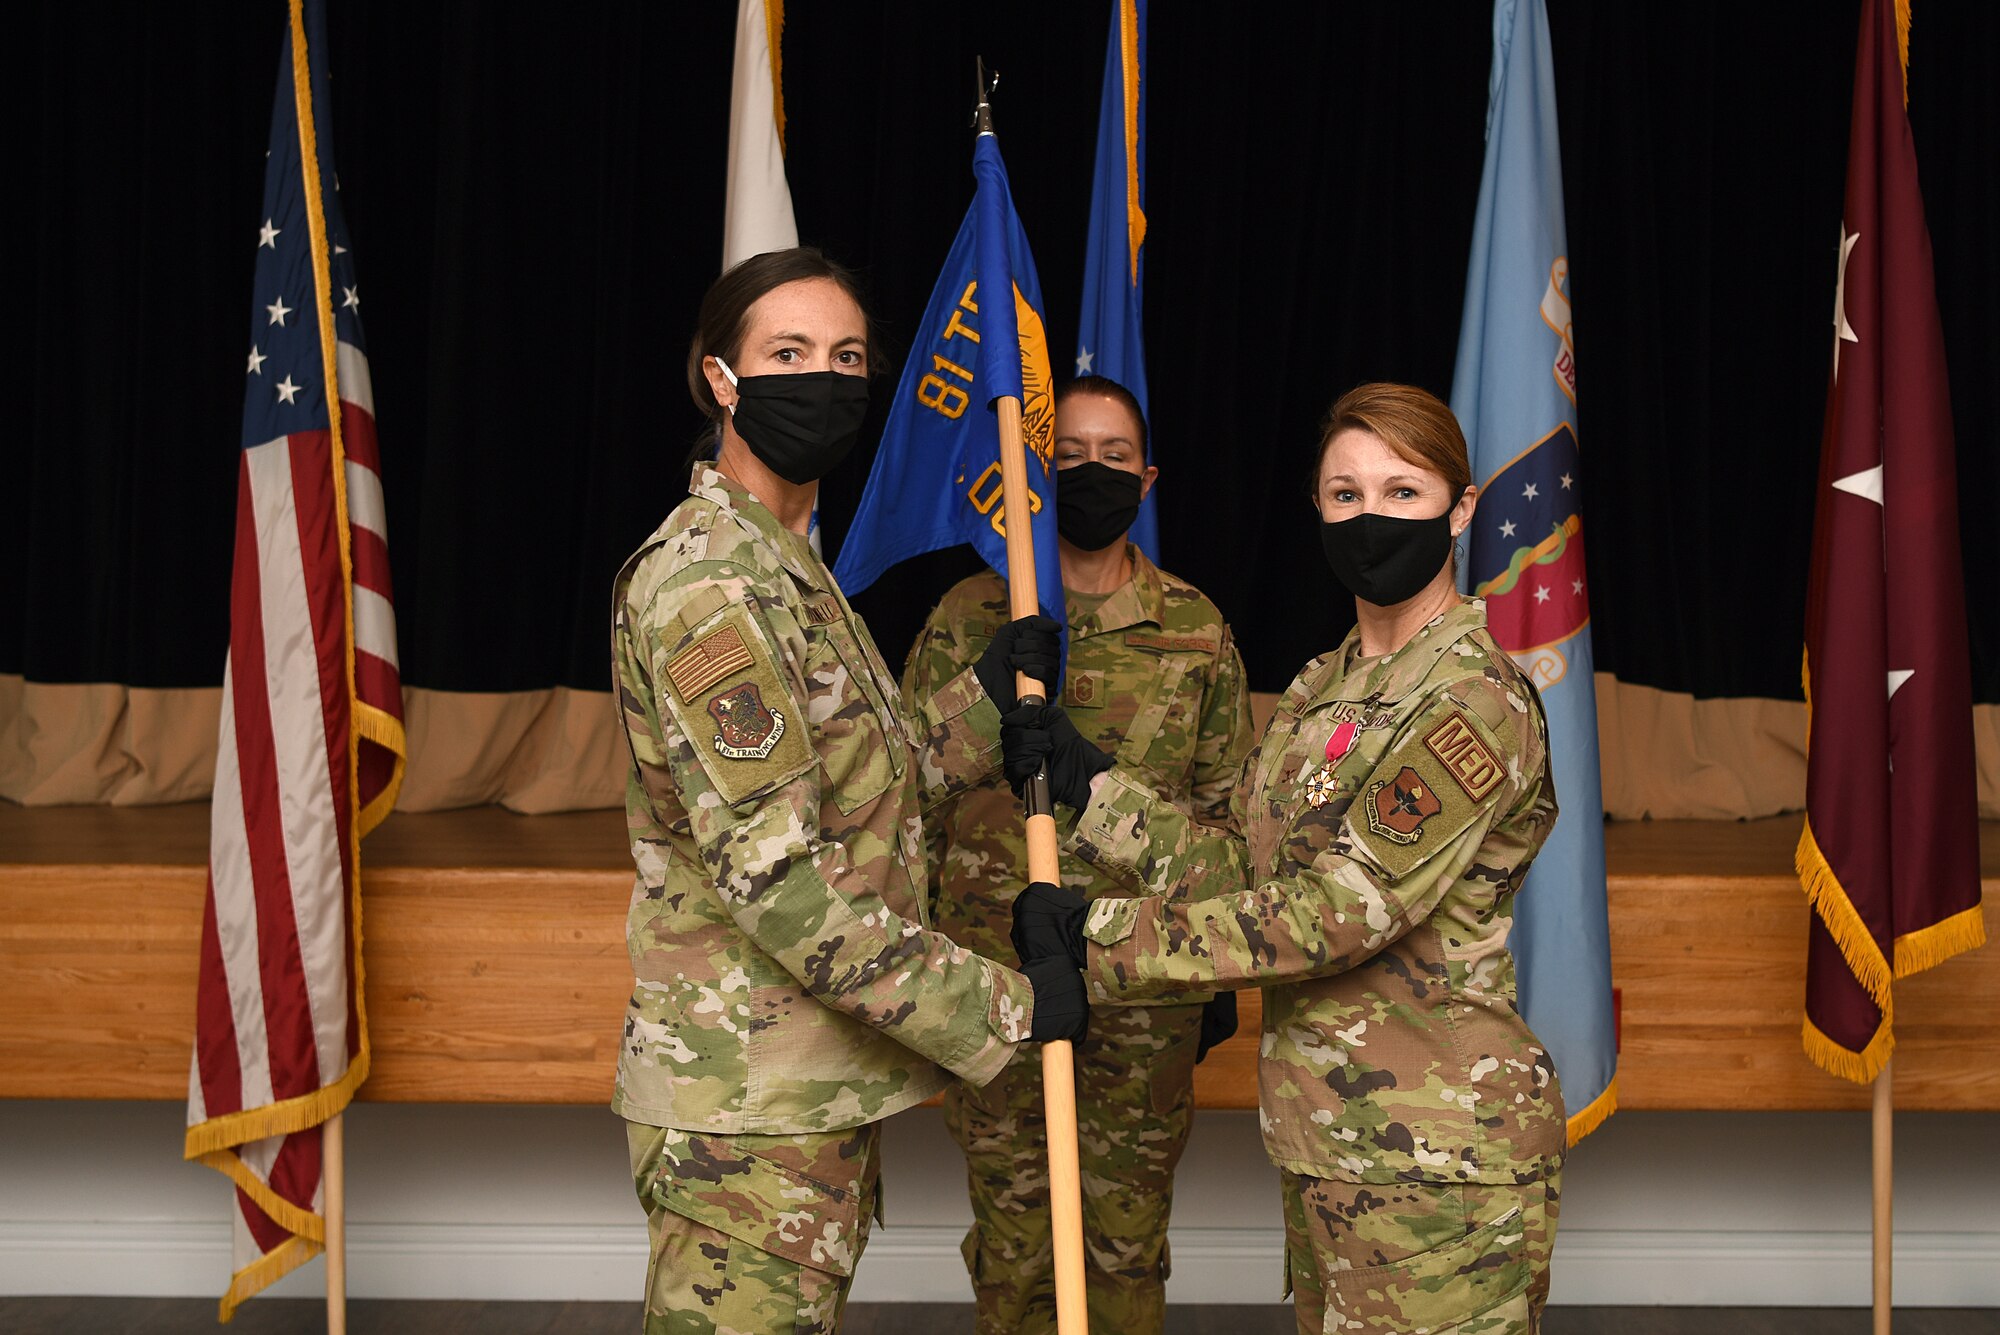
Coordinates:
[1386,561]
[1096,504]
[801,425]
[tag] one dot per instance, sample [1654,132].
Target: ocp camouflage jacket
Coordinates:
[1153,676]
[1383,826]
[787,976]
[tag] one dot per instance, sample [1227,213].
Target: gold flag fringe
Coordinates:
[289,1215]
[1128,59]
[1913,952]
[1903,46]
[1861,1067]
[774,38]
[1829,899]
[386,731]
[267,1270]
[1933,945]
[1592,1116]
[282,1118]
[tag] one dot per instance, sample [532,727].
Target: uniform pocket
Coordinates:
[1437,1289]
[759,1202]
[855,749]
[970,1249]
[1161,736]
[1171,1078]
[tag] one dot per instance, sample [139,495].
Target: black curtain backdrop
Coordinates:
[535,195]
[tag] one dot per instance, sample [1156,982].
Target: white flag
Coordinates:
[757,210]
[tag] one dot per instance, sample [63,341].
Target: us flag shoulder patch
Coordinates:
[707,661]
[1468,760]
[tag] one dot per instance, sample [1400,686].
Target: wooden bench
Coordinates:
[496,966]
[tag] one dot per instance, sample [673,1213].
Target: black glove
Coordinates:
[1032,645]
[1034,735]
[1062,1007]
[1218,1022]
[1048,924]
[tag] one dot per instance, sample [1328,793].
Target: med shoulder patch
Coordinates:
[1429,789]
[1468,760]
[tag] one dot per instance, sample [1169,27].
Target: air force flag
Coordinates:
[1515,395]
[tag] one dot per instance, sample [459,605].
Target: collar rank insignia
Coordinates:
[1398,807]
[1320,788]
[750,729]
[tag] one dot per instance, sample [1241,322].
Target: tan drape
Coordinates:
[1666,755]
[530,751]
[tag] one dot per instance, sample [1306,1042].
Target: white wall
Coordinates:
[1691,1208]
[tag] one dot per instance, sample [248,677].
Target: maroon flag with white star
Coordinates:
[1890,854]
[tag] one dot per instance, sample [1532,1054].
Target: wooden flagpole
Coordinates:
[1044,860]
[1882,1112]
[334,1170]
[333,1160]
[1044,864]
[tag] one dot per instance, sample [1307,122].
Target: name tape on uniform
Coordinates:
[1146,639]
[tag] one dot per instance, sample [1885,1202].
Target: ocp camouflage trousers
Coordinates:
[1444,1258]
[752,1234]
[1135,1105]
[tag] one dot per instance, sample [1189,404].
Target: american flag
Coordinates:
[311,744]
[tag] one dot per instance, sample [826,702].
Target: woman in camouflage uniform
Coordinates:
[1154,677]
[790,991]
[1383,826]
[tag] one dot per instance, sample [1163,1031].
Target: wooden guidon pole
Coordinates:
[1883,1113]
[334,1168]
[1044,864]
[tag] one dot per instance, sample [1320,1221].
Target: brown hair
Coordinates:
[1104,387]
[1411,421]
[724,320]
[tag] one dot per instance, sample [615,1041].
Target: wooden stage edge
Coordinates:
[497,973]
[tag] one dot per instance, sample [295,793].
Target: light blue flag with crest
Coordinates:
[1515,395]
[936,479]
[1109,340]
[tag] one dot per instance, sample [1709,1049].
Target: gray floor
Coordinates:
[196,1316]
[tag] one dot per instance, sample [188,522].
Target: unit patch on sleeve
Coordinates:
[1465,758]
[1442,778]
[735,716]
[1399,805]
[707,661]
[749,728]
